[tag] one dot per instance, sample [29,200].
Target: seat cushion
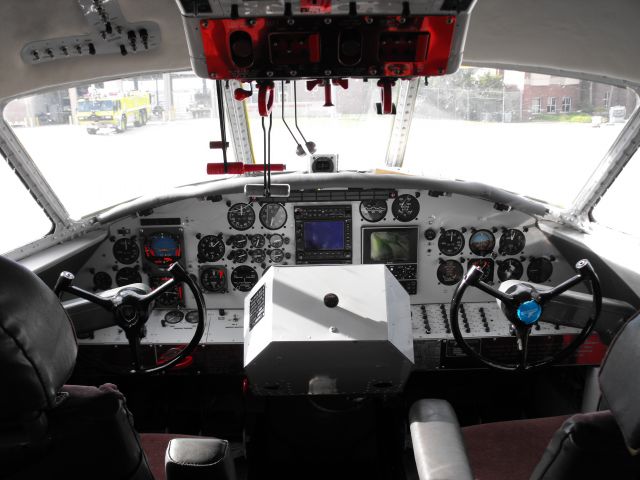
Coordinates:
[155,447]
[508,450]
[588,446]
[199,459]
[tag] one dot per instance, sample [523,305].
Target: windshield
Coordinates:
[538,135]
[533,134]
[95,106]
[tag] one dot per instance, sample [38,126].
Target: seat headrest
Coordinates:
[620,381]
[37,342]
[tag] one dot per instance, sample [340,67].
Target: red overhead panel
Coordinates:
[327,46]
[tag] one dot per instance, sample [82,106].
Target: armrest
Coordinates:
[437,442]
[199,459]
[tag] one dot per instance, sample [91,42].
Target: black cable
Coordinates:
[264,155]
[223,131]
[269,156]
[283,119]
[295,110]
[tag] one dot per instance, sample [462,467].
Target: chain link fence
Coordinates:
[471,105]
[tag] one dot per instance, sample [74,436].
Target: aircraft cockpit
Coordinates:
[253,240]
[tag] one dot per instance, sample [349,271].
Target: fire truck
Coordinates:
[114,111]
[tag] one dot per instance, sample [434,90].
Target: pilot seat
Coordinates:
[52,430]
[596,445]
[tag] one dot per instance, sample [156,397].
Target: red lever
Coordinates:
[386,95]
[327,95]
[341,82]
[311,84]
[238,168]
[265,98]
[241,94]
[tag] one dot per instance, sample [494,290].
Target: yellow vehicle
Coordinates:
[114,111]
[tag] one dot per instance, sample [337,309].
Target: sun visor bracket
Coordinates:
[110,33]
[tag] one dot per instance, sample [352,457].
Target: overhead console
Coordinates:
[328,39]
[321,46]
[326,42]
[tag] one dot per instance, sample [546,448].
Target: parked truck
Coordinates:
[113,111]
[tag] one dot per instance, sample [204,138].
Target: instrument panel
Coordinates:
[227,243]
[427,242]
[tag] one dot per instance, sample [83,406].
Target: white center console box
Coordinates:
[327,330]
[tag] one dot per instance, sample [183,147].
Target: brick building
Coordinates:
[548,94]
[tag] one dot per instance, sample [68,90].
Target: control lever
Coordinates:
[266,95]
[64,284]
[267,190]
[386,106]
[311,146]
[65,279]
[241,94]
[326,83]
[299,149]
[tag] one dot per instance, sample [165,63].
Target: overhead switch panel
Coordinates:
[110,33]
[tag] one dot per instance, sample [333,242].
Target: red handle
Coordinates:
[327,95]
[265,98]
[238,168]
[241,94]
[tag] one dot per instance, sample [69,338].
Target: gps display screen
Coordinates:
[324,235]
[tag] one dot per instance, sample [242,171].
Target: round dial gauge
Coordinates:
[244,278]
[276,241]
[482,242]
[238,256]
[102,281]
[273,216]
[276,255]
[510,269]
[192,316]
[257,241]
[430,234]
[168,298]
[257,255]
[210,248]
[512,242]
[405,208]
[127,276]
[125,250]
[451,242]
[539,270]
[449,272]
[237,241]
[173,316]
[214,279]
[241,216]
[373,210]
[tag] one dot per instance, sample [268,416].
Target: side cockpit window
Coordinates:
[23,218]
[617,207]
